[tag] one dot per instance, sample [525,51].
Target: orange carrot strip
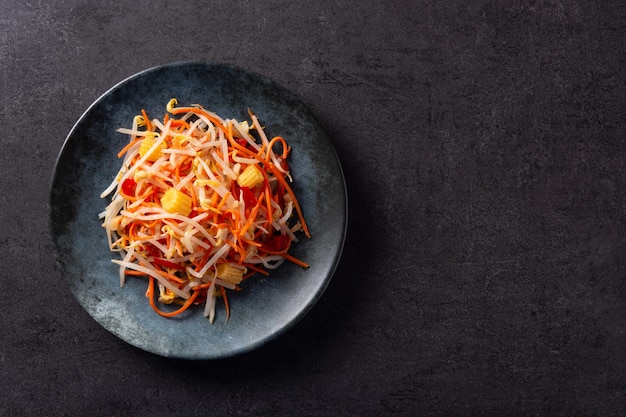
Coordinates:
[295,260]
[252,217]
[134,273]
[177,123]
[252,242]
[225,298]
[194,197]
[221,204]
[147,120]
[184,307]
[203,260]
[214,198]
[128,146]
[200,112]
[272,142]
[257,269]
[171,277]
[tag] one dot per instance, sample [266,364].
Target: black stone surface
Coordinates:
[483,144]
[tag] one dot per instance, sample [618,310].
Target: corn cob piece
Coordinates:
[174,201]
[145,147]
[230,273]
[250,177]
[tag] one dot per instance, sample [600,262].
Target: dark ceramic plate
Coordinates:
[266,307]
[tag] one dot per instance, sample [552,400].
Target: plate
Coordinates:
[267,306]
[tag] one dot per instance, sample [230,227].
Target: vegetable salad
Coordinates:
[200,204]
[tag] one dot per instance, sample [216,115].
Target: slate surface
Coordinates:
[483,146]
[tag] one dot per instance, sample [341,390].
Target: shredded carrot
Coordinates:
[194,196]
[295,260]
[224,199]
[225,298]
[171,277]
[256,269]
[282,142]
[183,308]
[147,120]
[128,146]
[177,123]
[202,261]
[253,214]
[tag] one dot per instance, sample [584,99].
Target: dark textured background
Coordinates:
[483,145]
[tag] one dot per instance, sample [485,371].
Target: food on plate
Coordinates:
[200,204]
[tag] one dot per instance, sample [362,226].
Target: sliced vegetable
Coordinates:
[250,177]
[174,201]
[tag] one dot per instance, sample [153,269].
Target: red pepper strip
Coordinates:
[168,264]
[277,243]
[248,197]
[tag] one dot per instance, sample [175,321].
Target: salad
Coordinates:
[200,204]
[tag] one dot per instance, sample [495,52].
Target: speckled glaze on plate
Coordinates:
[87,163]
